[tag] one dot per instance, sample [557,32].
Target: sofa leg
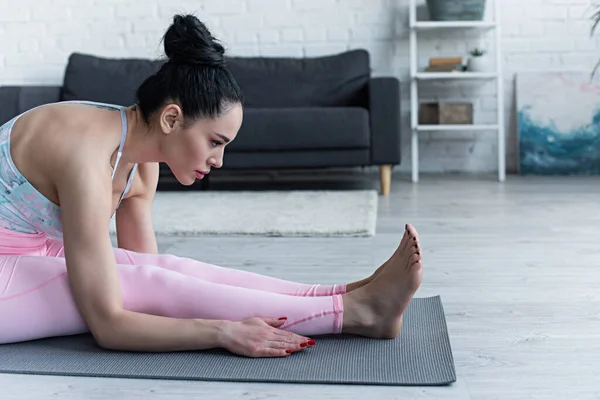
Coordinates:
[385,176]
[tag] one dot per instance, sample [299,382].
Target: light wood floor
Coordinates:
[517,266]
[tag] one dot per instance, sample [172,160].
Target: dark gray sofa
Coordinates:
[317,112]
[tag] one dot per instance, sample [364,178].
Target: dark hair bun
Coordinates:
[188,41]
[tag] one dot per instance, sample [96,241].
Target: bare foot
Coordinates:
[408,235]
[375,310]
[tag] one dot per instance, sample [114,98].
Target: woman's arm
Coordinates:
[135,230]
[85,199]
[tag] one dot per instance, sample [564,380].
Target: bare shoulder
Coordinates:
[58,128]
[145,181]
[58,140]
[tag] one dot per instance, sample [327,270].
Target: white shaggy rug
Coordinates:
[265,213]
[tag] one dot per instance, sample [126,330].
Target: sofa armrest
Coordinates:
[384,113]
[15,100]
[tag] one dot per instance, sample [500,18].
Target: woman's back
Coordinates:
[37,146]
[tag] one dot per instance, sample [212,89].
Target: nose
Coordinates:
[216,162]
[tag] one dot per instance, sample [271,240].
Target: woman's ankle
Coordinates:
[357,285]
[357,317]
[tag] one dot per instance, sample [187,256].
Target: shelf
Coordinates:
[431,25]
[490,25]
[455,75]
[438,128]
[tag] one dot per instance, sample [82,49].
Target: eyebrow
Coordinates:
[223,137]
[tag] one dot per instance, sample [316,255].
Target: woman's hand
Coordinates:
[261,337]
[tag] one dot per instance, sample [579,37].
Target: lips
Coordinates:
[200,174]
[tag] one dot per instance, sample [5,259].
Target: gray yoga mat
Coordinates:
[420,355]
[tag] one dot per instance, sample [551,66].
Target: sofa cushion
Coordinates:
[334,80]
[276,129]
[107,80]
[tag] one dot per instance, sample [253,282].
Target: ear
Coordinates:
[170,117]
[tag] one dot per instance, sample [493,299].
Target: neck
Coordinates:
[141,144]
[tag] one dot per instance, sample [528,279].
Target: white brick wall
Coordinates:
[36,37]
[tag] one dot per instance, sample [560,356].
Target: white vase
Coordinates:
[478,64]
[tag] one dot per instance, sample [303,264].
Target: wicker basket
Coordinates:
[456,10]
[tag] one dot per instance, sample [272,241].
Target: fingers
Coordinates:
[274,322]
[290,347]
[291,335]
[280,348]
[278,342]
[271,352]
[287,343]
[296,340]
[265,339]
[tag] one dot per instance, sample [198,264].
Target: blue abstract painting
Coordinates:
[558,118]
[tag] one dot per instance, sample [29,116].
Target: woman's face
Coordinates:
[191,152]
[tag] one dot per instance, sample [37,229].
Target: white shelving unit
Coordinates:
[418,76]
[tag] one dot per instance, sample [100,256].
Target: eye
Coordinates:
[216,143]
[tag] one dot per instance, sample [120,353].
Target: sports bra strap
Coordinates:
[123,136]
[129,182]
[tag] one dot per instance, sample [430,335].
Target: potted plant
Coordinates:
[478,62]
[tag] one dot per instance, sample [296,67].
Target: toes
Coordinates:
[415,249]
[412,232]
[404,243]
[405,240]
[409,243]
[414,258]
[413,237]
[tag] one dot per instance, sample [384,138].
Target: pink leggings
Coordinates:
[36,301]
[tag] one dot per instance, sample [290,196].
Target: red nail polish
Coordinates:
[283,318]
[303,344]
[311,342]
[288,351]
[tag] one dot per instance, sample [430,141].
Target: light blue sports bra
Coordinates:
[22,207]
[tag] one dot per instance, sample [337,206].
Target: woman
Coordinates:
[67,167]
